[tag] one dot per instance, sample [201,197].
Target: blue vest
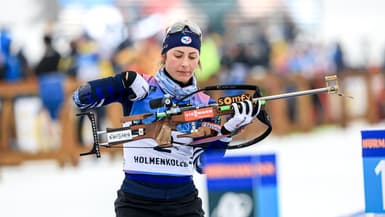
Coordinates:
[143,106]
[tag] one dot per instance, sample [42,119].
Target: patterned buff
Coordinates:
[172,88]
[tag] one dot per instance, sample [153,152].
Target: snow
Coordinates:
[319,174]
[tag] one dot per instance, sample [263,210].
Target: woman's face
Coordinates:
[180,63]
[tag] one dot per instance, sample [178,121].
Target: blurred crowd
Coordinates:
[231,60]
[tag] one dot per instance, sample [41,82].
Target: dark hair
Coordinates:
[47,39]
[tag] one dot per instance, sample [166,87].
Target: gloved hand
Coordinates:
[241,118]
[136,83]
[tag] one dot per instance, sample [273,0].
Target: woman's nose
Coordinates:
[185,62]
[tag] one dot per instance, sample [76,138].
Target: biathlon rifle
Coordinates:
[166,121]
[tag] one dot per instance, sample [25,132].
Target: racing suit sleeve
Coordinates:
[104,91]
[200,153]
[218,146]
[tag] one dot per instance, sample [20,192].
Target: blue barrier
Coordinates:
[373,154]
[242,185]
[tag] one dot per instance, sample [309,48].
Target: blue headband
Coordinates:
[183,38]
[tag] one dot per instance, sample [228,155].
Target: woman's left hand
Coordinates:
[242,118]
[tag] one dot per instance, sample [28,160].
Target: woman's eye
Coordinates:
[192,57]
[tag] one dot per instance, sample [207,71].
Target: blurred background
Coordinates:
[48,48]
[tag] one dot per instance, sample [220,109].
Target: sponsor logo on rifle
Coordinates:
[228,100]
[119,136]
[198,114]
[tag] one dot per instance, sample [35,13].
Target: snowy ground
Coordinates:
[320,174]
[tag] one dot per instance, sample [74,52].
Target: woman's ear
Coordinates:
[163,59]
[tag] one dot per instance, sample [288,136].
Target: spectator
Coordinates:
[10,63]
[51,92]
[338,56]
[236,65]
[210,57]
[50,60]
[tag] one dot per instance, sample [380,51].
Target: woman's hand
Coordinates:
[241,117]
[137,84]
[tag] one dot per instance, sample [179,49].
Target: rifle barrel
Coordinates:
[329,89]
[297,93]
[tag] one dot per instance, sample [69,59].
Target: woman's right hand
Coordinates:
[137,84]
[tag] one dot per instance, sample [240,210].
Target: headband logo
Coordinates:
[186,40]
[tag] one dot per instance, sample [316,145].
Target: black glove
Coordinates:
[136,83]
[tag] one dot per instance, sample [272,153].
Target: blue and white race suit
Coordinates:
[147,169]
